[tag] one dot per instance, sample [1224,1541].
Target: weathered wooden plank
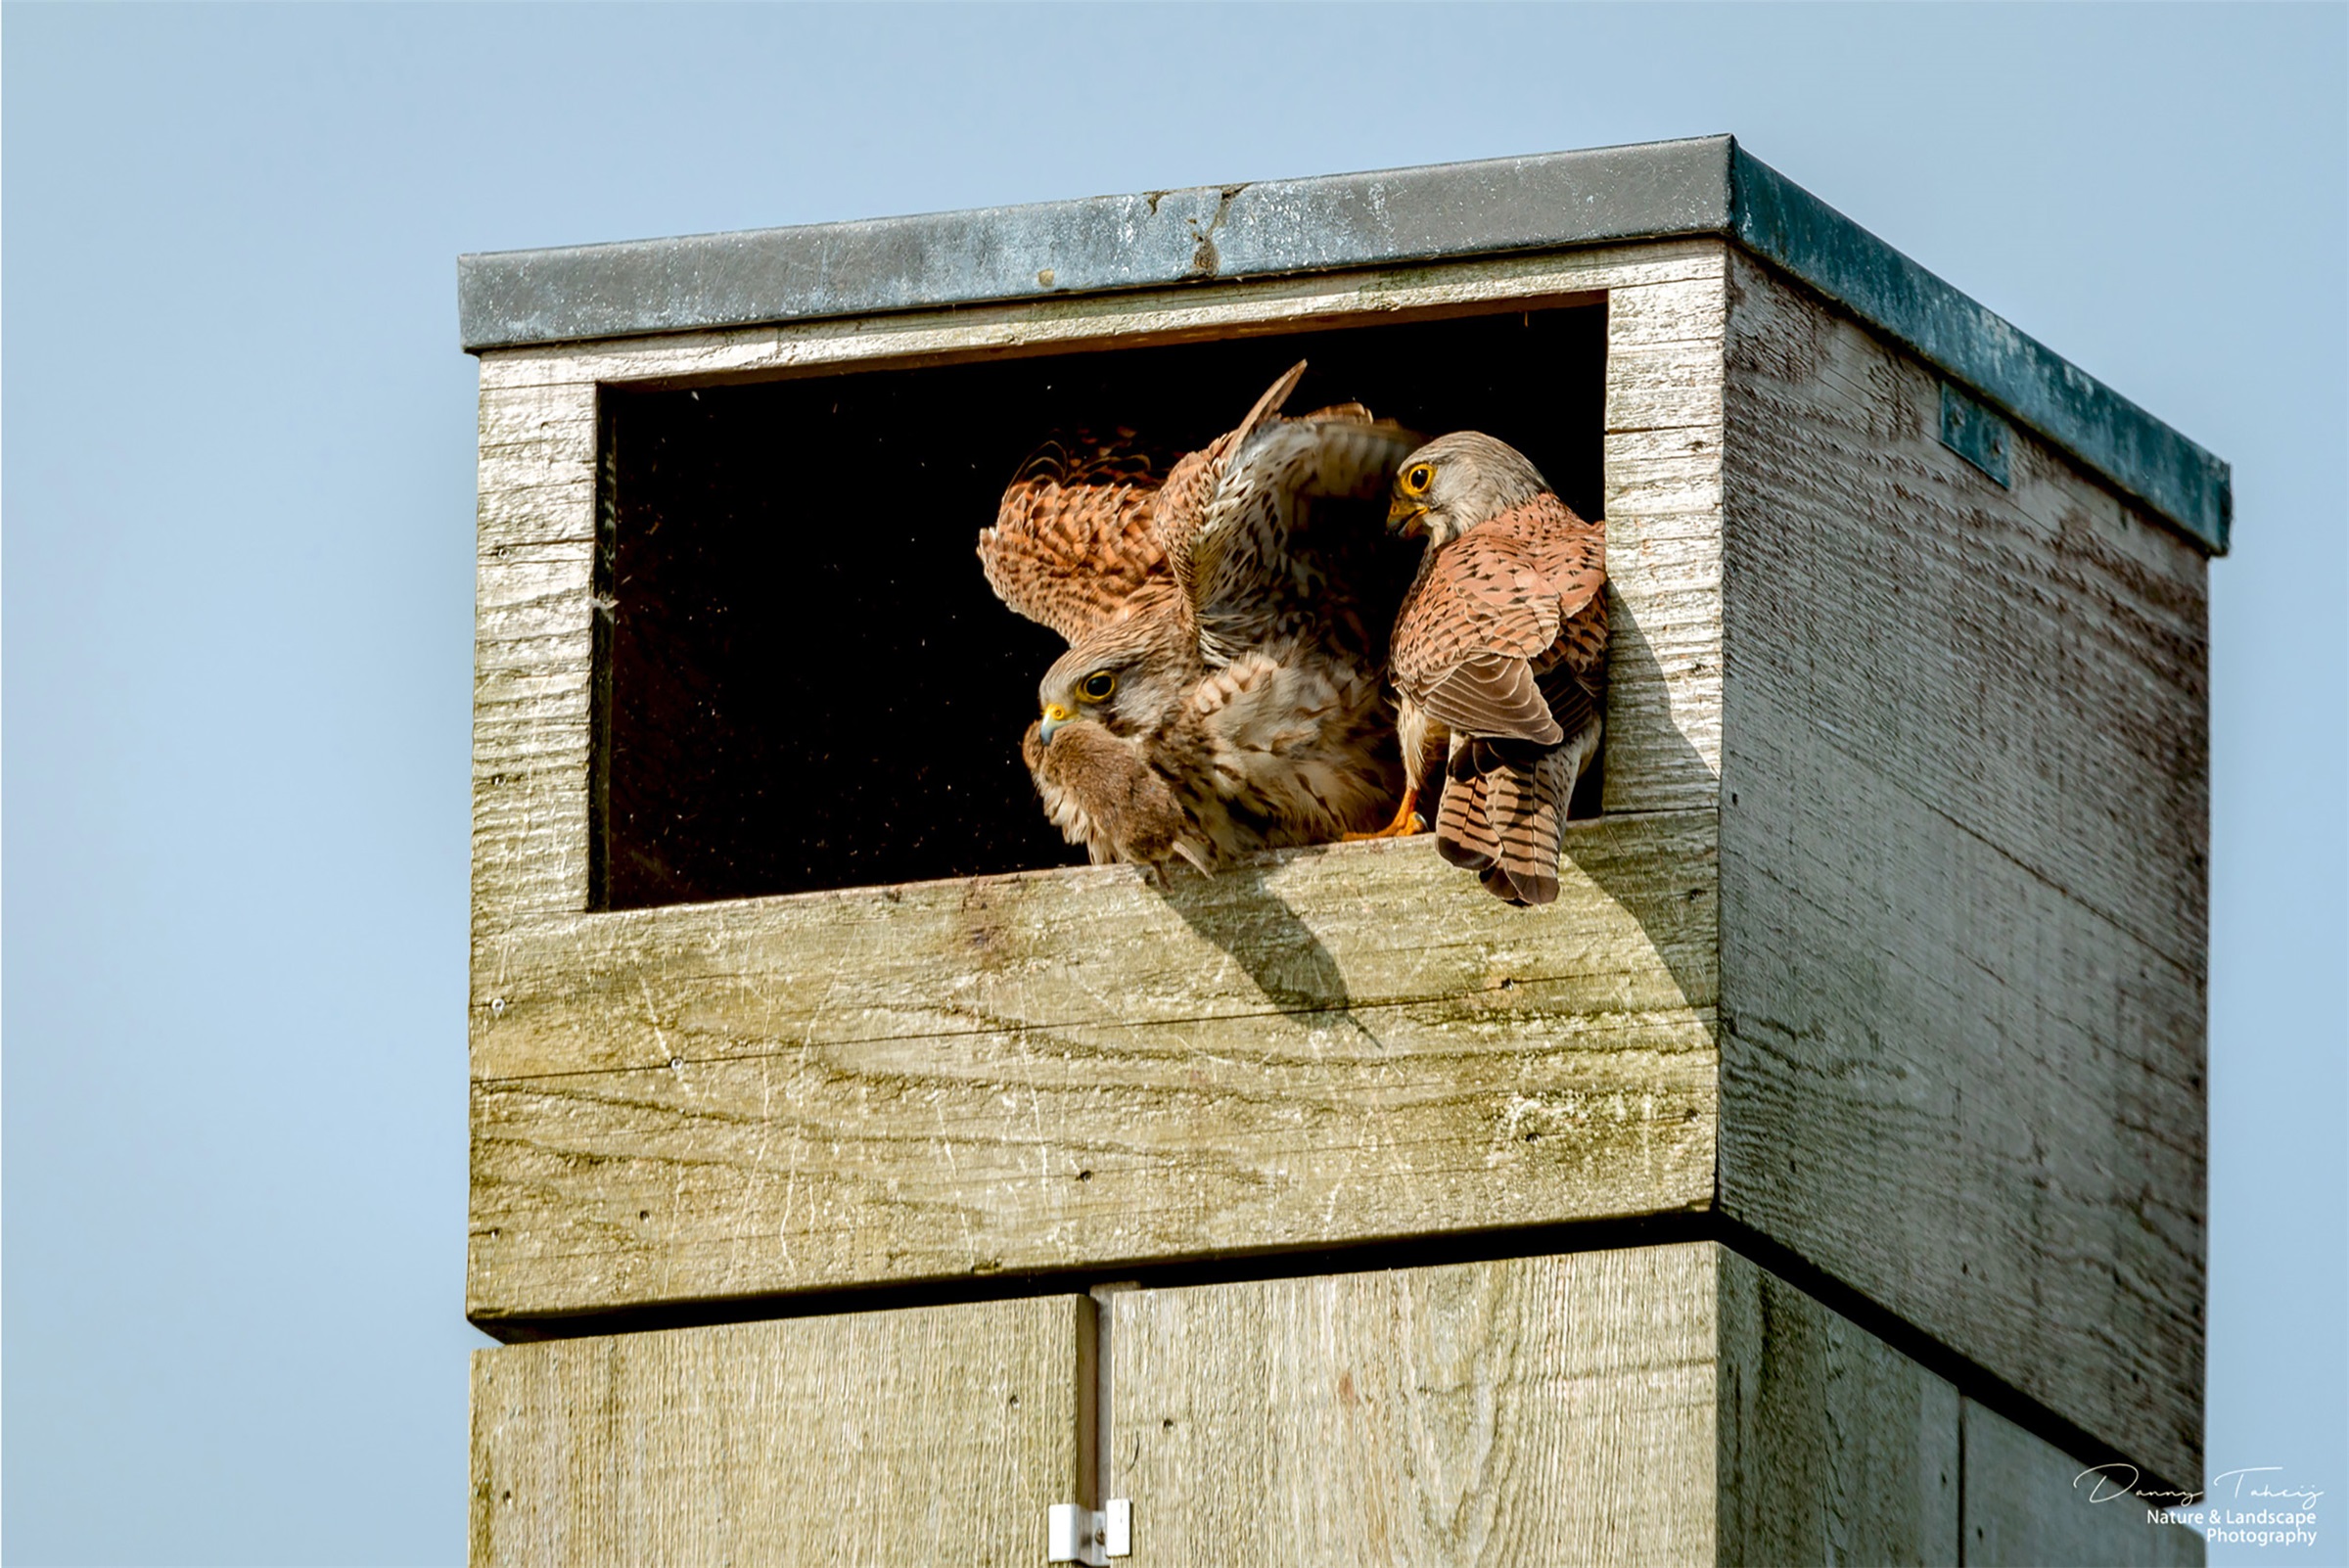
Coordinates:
[937,1434]
[1662,502]
[1671,1404]
[1667,311]
[1962,883]
[534,592]
[2053,666]
[1834,1447]
[1663,737]
[532,655]
[527,567]
[529,760]
[556,422]
[1955,1087]
[536,468]
[2028,1504]
[1334,927]
[1664,387]
[1533,1410]
[1074,1066]
[1083,1146]
[561,508]
[531,465]
[882,1084]
[533,632]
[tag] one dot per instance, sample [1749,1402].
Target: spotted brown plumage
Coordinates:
[1498,656]
[1073,542]
[1215,641]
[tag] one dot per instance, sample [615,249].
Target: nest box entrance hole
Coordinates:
[803,682]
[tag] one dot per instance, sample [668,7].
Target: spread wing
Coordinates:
[1227,513]
[1189,495]
[1497,608]
[1073,542]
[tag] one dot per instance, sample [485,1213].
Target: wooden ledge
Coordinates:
[1073,1068]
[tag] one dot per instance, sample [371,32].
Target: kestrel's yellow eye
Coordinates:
[1097,686]
[1416,479]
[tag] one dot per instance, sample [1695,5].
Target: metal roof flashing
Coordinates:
[1157,239]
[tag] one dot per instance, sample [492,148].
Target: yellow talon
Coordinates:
[1406,822]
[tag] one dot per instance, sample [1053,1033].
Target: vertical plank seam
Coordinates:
[1963,1403]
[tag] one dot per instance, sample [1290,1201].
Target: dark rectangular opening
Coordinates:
[803,681]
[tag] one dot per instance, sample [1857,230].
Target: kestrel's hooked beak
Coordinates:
[1406,517]
[1056,715]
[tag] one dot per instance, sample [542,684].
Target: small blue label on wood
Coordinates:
[1976,434]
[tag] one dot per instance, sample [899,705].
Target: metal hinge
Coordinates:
[1074,1532]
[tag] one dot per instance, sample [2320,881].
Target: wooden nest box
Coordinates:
[1821,1177]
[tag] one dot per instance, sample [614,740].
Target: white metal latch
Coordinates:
[1074,1532]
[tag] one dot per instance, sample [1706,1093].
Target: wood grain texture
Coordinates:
[1663,449]
[1306,931]
[1962,881]
[1071,1068]
[1834,1447]
[926,1435]
[2028,1506]
[533,649]
[1671,1405]
[1533,1410]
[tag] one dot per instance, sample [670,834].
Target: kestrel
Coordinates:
[1220,693]
[1499,653]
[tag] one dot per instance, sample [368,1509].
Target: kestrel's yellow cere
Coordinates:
[1220,694]
[1499,653]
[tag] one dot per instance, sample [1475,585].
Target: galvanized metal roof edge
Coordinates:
[1781,222]
[1096,245]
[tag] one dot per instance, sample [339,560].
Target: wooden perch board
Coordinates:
[1073,1068]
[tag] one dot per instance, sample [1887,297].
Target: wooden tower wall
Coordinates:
[1819,1179]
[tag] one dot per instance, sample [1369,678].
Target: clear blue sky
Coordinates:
[238,572]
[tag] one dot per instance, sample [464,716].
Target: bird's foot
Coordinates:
[1406,822]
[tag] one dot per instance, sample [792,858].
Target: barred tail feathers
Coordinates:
[1526,808]
[1464,835]
[1507,821]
